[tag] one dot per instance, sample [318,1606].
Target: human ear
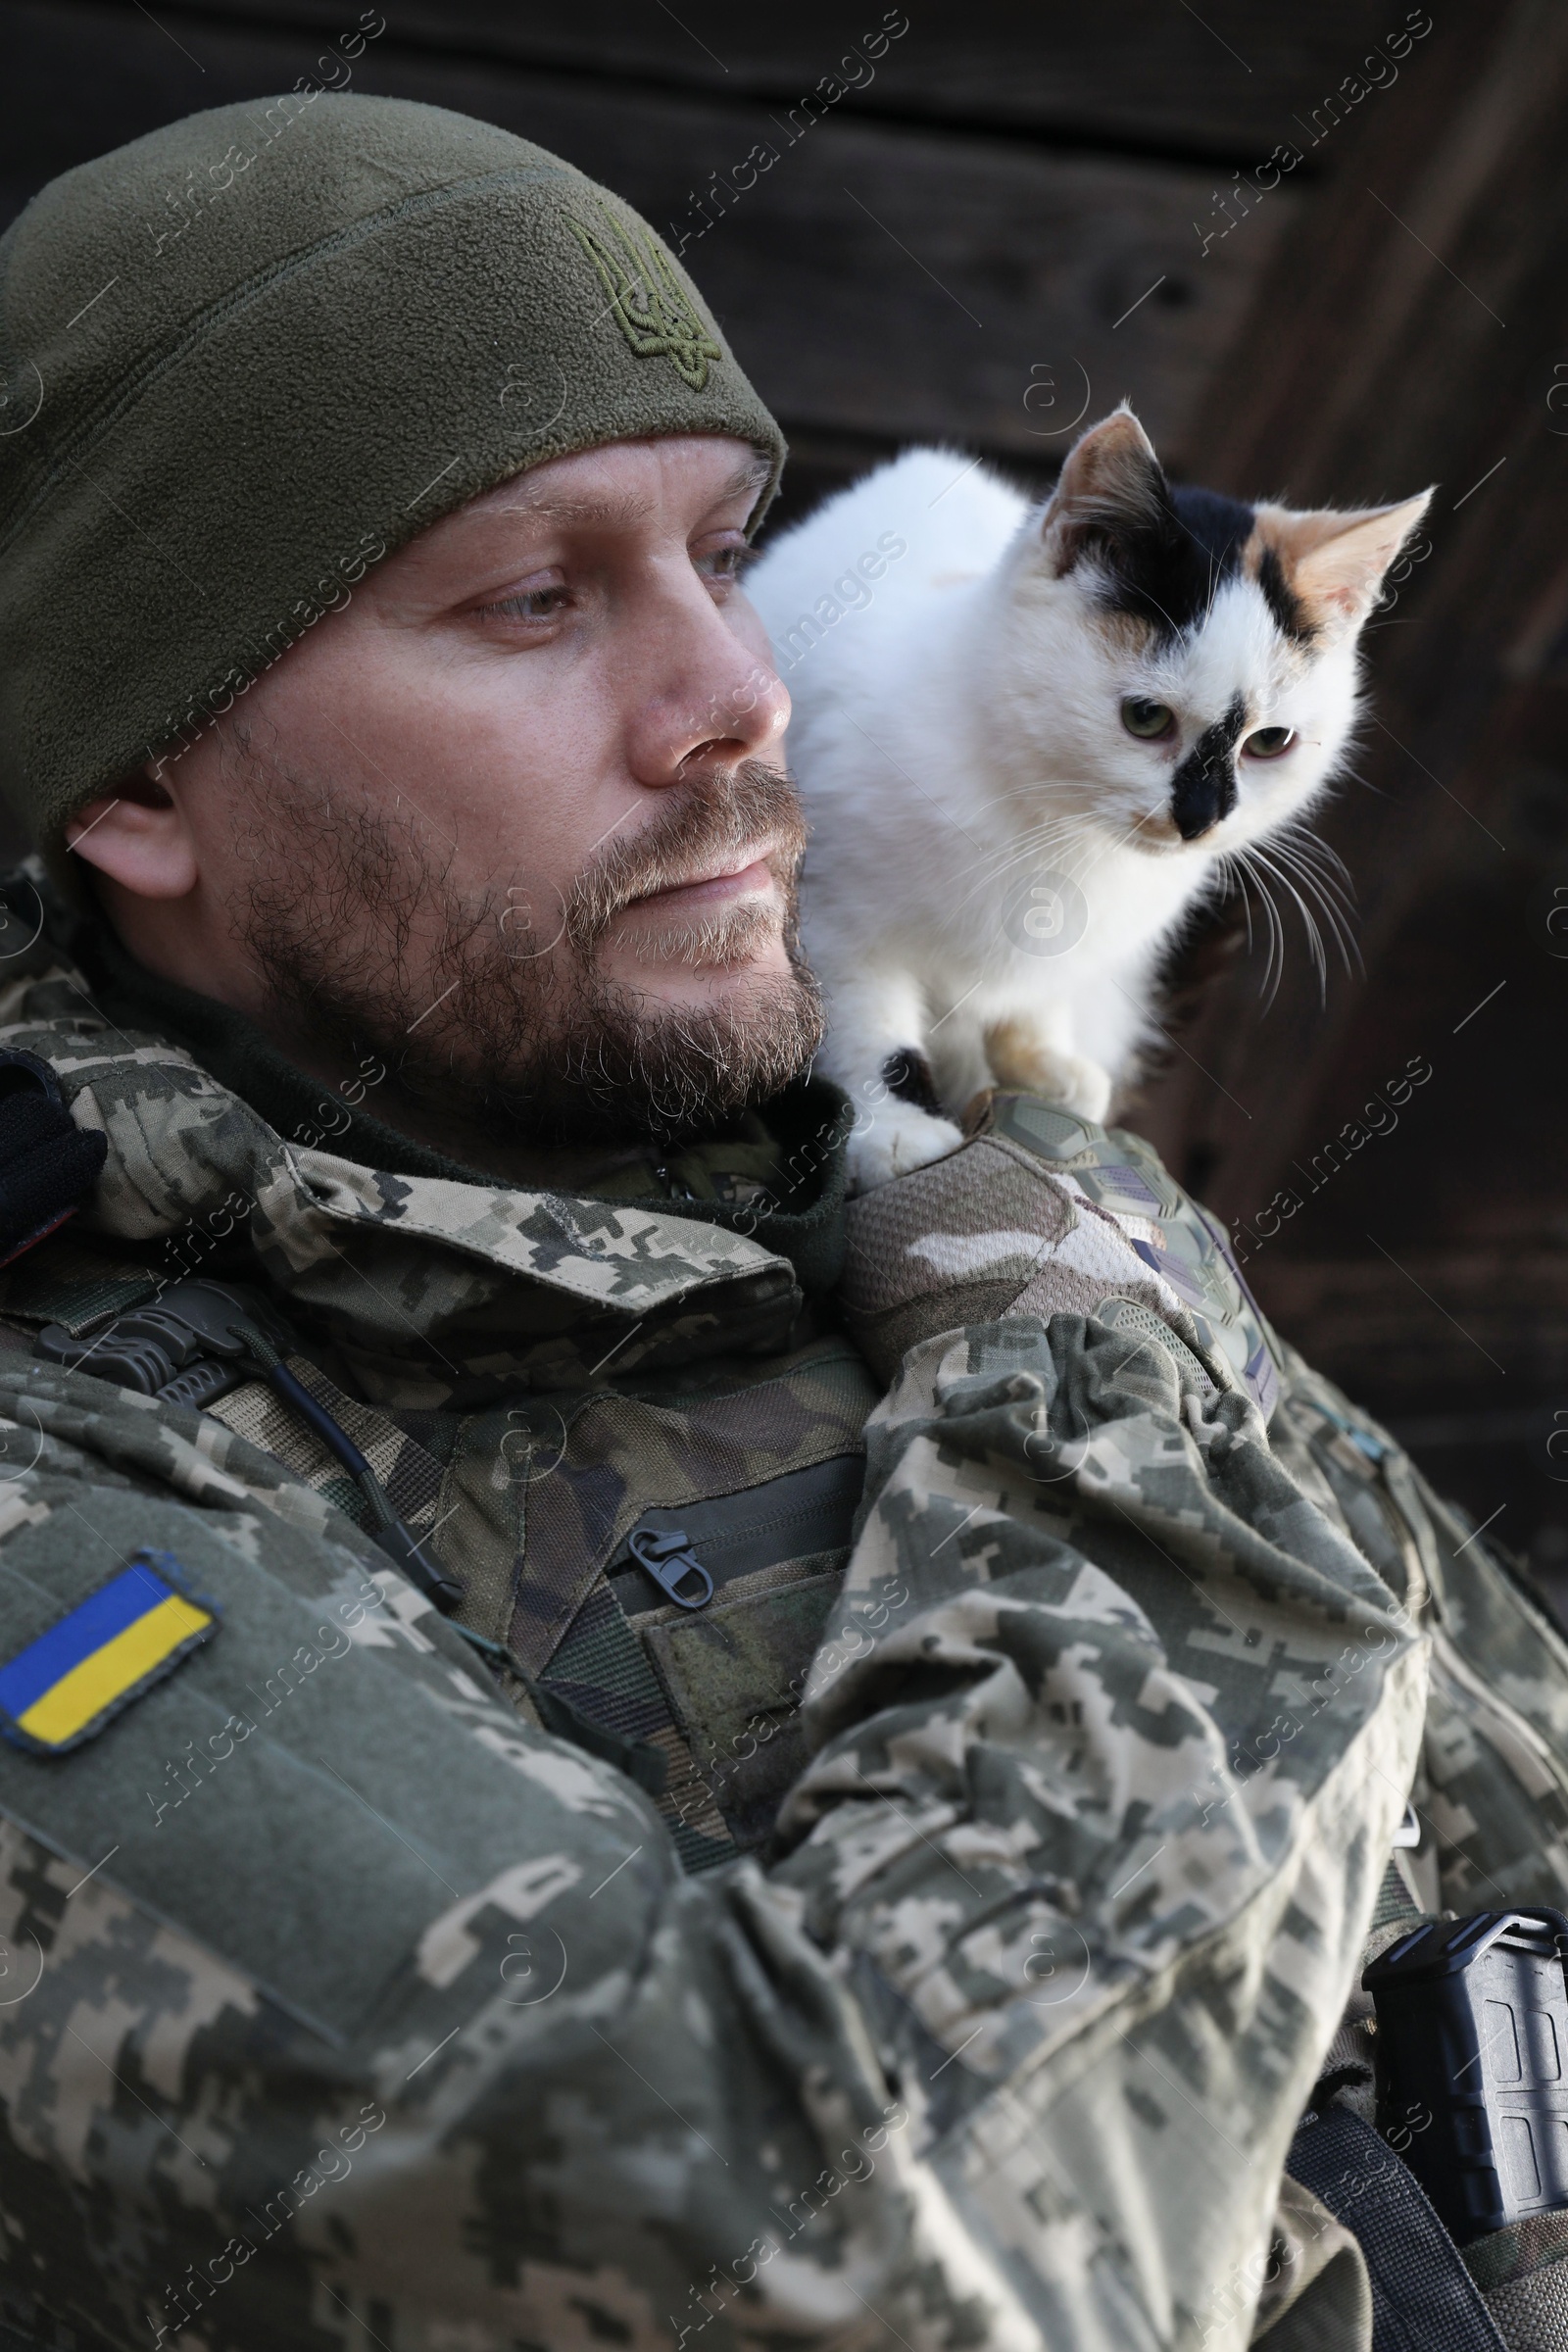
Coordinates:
[139,837]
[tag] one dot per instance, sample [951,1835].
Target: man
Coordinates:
[433,1448]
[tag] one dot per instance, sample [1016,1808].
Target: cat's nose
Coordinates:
[1204,789]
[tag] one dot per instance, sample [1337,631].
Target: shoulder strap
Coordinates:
[1423,2297]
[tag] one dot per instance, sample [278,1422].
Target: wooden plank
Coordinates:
[1227,81]
[1473,987]
[925,289]
[1484,1328]
[1383,361]
[886,281]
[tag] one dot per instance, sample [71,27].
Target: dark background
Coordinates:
[1005,229]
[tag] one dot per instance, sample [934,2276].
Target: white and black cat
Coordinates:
[1027,740]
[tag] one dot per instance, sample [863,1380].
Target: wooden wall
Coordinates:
[1017,216]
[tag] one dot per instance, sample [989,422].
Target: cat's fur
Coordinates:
[996,862]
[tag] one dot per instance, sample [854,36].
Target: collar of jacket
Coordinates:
[435,1282]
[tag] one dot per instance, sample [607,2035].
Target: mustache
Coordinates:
[709,819]
[361,931]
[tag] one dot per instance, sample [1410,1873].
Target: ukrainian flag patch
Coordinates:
[76,1676]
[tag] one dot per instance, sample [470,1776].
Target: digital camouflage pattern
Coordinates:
[345,2006]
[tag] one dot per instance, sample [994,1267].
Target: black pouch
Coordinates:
[1473,2060]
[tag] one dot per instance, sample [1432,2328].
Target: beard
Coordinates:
[492,1011]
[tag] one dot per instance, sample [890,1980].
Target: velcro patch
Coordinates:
[122,1639]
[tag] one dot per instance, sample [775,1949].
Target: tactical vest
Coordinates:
[660,1564]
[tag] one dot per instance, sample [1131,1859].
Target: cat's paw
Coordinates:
[895,1140]
[1019,1059]
[1078,1085]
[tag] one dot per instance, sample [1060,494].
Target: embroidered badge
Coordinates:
[651,306]
[105,1652]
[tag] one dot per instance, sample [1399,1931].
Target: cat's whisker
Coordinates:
[1241,880]
[1299,836]
[1274,967]
[1247,903]
[1232,880]
[1328,883]
[993,864]
[1274,974]
[1340,932]
[1314,937]
[1255,882]
[1106,848]
[993,868]
[1298,853]
[1325,879]
[1024,791]
[1038,843]
[1344,946]
[1331,885]
[1046,835]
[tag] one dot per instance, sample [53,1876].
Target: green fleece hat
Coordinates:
[248,355]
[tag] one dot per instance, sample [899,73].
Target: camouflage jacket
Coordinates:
[1014,1859]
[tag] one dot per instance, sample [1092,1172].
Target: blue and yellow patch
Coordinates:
[105,1652]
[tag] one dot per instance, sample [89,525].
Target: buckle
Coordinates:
[199,1339]
[670,1560]
[191,1346]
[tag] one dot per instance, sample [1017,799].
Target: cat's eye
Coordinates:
[1269,743]
[1147,720]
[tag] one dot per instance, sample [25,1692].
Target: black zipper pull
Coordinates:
[670,1560]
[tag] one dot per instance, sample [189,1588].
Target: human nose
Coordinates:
[724,701]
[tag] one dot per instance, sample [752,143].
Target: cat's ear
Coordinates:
[1110,487]
[1333,561]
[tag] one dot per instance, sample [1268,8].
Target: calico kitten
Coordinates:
[1028,740]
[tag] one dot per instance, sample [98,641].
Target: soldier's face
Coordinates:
[540,674]
[521,796]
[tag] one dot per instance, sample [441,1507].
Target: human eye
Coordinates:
[723,564]
[534,601]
